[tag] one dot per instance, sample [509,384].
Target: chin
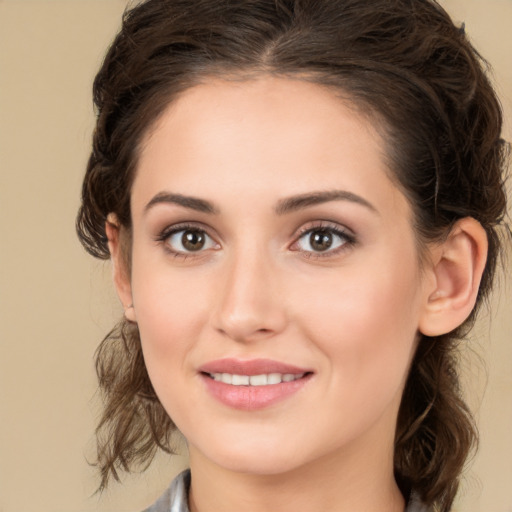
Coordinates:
[259,458]
[264,464]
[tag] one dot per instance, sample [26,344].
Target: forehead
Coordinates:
[303,107]
[277,136]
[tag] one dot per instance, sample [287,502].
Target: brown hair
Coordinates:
[401,61]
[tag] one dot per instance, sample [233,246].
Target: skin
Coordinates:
[258,289]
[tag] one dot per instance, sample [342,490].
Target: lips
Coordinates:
[252,385]
[265,379]
[252,367]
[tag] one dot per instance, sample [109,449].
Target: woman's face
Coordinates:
[275,277]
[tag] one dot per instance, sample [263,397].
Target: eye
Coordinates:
[188,240]
[322,240]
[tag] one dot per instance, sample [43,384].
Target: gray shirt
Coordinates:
[175,497]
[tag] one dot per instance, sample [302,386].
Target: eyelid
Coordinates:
[337,229]
[173,229]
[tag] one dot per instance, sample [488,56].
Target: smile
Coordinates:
[253,385]
[255,380]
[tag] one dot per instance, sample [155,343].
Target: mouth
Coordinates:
[253,385]
[264,379]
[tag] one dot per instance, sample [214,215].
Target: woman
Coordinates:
[301,201]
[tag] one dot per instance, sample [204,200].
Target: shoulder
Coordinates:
[174,499]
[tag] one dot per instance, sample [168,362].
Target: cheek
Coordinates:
[171,312]
[365,322]
[171,318]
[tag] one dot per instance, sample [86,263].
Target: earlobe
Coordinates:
[120,272]
[457,266]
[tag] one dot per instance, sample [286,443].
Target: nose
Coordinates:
[250,303]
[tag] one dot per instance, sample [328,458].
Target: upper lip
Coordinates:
[250,367]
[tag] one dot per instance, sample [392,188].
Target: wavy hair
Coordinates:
[403,63]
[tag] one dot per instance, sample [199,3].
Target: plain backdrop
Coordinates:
[56,303]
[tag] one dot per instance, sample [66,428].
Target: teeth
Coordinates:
[258,380]
[240,380]
[274,378]
[255,380]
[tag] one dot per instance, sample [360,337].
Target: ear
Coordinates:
[120,272]
[457,267]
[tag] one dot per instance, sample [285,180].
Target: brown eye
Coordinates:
[189,240]
[320,240]
[193,240]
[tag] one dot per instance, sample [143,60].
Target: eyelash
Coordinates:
[169,231]
[348,239]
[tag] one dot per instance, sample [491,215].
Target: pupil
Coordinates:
[192,240]
[320,240]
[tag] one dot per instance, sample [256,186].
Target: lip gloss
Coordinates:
[217,376]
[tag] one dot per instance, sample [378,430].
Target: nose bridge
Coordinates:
[249,304]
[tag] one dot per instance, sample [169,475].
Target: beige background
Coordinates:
[57,303]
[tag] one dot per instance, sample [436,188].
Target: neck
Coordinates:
[338,482]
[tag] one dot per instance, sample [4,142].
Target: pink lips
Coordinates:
[252,397]
[252,367]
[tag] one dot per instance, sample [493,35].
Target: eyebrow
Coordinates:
[284,206]
[193,203]
[301,201]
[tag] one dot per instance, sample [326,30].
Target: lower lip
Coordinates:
[252,398]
